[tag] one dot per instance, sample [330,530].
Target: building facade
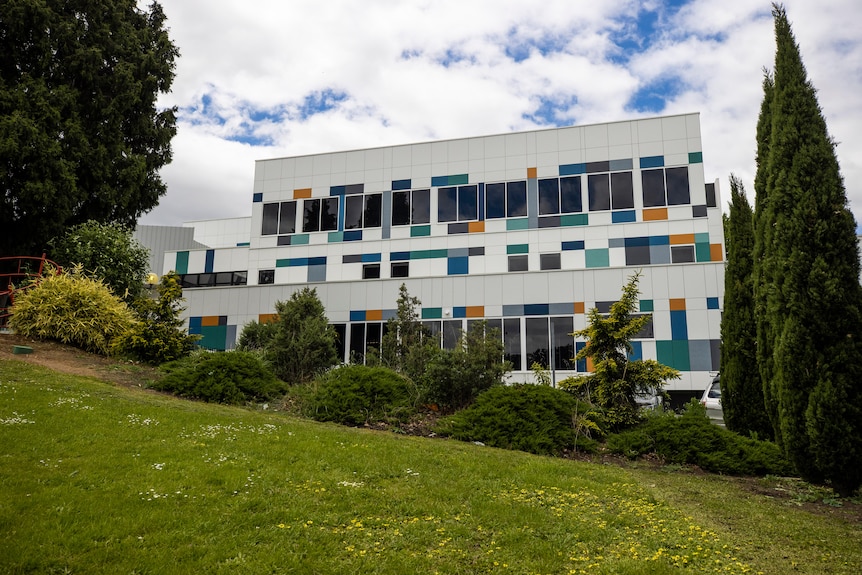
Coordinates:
[528,231]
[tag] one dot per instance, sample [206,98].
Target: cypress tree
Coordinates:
[813,297]
[741,388]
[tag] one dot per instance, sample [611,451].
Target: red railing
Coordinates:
[15,271]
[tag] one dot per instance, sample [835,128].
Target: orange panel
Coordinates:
[475,311]
[267,317]
[655,214]
[302,193]
[532,173]
[476,227]
[374,315]
[590,366]
[677,239]
[579,307]
[209,320]
[716,254]
[677,304]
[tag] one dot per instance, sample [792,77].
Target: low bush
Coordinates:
[533,418]
[71,308]
[691,439]
[232,377]
[256,335]
[359,394]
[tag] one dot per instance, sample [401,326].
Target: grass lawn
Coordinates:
[101,479]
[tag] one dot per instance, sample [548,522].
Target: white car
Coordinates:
[711,400]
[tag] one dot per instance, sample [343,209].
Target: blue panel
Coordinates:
[573,169]
[459,312]
[399,256]
[296,262]
[438,181]
[632,242]
[575,245]
[208,265]
[581,363]
[652,162]
[678,325]
[258,197]
[459,266]
[352,235]
[318,261]
[243,244]
[337,190]
[513,310]
[659,240]
[481,202]
[195,322]
[357,315]
[536,309]
[637,353]
[401,184]
[712,303]
[626,216]
[370,258]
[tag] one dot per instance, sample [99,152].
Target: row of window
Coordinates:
[214,279]
[563,195]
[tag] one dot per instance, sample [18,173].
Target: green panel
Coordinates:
[647,305]
[702,253]
[702,238]
[458,179]
[213,337]
[299,240]
[598,258]
[432,313]
[335,237]
[182,265]
[428,254]
[664,352]
[681,359]
[575,220]
[695,157]
[420,231]
[518,249]
[519,224]
[282,263]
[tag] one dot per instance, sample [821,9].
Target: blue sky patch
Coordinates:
[653,97]
[519,48]
[551,111]
[637,33]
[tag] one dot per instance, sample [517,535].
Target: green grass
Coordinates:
[99,479]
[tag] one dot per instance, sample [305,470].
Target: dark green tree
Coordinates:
[813,300]
[81,136]
[304,343]
[741,387]
[407,345]
[107,251]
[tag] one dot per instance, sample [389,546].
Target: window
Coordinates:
[537,342]
[560,196]
[320,214]
[512,342]
[506,200]
[518,263]
[459,204]
[265,277]
[279,218]
[400,269]
[681,254]
[665,187]
[610,191]
[549,261]
[411,207]
[371,271]
[562,342]
[362,211]
[214,279]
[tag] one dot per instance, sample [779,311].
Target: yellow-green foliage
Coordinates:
[71,308]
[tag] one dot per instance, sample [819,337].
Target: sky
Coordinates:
[259,79]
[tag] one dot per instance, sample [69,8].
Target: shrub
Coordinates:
[692,439]
[256,335]
[157,337]
[534,418]
[232,377]
[71,308]
[359,394]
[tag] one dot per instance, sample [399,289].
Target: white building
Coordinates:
[527,230]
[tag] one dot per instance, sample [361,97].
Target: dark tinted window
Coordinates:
[622,193]
[400,208]
[371,271]
[352,212]
[311,215]
[549,261]
[518,263]
[677,186]
[270,219]
[512,342]
[537,342]
[447,204]
[570,195]
[373,203]
[549,196]
[653,187]
[495,201]
[329,214]
[266,276]
[468,203]
[516,199]
[421,211]
[599,192]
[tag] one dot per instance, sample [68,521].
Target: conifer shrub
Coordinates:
[359,394]
[71,308]
[691,439]
[231,377]
[533,418]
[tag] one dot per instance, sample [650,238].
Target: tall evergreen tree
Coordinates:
[81,137]
[741,388]
[813,300]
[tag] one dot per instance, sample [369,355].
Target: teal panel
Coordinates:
[664,352]
[702,253]
[519,224]
[647,305]
[701,238]
[282,263]
[182,265]
[518,249]
[695,157]
[420,231]
[213,337]
[299,240]
[432,313]
[335,237]
[575,220]
[681,358]
[458,179]
[428,254]
[598,258]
